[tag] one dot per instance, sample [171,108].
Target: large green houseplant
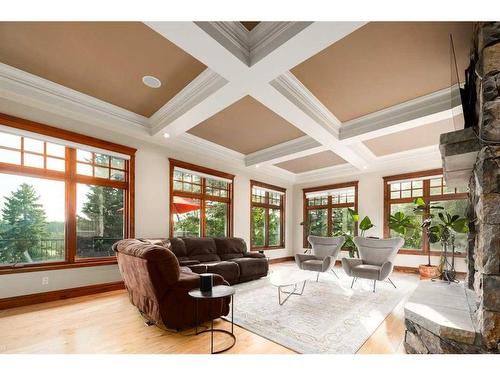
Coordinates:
[364,225]
[443,232]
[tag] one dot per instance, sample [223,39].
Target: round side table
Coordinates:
[217,292]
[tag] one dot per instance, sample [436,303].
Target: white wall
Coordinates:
[370,203]
[151,206]
[152,198]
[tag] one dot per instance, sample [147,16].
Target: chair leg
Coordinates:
[317,277]
[353,280]
[335,273]
[374,283]
[392,283]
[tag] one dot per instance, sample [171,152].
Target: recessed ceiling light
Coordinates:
[151,81]
[166,135]
[256,165]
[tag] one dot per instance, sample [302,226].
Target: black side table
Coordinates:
[218,291]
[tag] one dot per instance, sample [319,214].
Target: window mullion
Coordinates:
[70,183]
[329,226]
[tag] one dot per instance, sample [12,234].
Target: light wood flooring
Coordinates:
[108,323]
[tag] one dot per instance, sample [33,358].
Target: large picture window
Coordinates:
[267,216]
[200,201]
[63,200]
[400,191]
[326,210]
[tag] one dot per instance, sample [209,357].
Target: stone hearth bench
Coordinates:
[439,319]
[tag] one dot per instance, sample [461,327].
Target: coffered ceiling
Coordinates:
[246,126]
[422,136]
[383,64]
[288,97]
[320,160]
[106,60]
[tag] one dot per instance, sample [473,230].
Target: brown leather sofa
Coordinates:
[226,256]
[158,286]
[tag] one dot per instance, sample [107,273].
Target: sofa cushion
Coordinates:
[251,268]
[178,247]
[202,249]
[228,270]
[230,248]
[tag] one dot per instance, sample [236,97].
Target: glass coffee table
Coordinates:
[287,279]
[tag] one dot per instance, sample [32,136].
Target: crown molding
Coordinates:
[199,89]
[326,173]
[231,35]
[293,149]
[194,145]
[426,157]
[400,116]
[289,86]
[26,88]
[267,36]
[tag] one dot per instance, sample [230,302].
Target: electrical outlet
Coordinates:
[45,280]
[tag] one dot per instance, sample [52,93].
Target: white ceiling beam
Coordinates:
[426,109]
[293,149]
[278,103]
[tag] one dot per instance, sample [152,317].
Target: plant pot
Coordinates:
[428,272]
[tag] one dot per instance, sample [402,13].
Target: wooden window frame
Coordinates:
[267,206]
[229,200]
[71,179]
[427,198]
[329,206]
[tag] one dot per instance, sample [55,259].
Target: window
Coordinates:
[200,201]
[326,210]
[267,216]
[61,205]
[401,191]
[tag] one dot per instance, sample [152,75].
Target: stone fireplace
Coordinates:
[484,188]
[466,318]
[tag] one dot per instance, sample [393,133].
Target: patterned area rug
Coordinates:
[329,317]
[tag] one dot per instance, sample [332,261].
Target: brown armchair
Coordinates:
[159,287]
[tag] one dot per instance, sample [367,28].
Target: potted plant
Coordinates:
[364,225]
[443,232]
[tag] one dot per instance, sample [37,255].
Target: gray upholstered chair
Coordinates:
[376,259]
[325,251]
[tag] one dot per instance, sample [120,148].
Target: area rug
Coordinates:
[329,317]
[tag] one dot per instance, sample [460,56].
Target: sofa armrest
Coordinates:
[193,282]
[188,263]
[198,268]
[253,255]
[349,263]
[385,270]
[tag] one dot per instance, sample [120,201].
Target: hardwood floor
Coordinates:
[108,323]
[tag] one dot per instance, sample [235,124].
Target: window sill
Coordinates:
[267,248]
[433,253]
[58,266]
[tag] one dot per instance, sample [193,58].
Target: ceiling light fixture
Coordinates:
[166,135]
[151,81]
[256,165]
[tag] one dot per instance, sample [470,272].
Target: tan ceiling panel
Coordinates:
[311,162]
[106,60]
[383,64]
[246,126]
[422,136]
[249,25]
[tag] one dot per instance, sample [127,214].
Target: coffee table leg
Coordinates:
[232,313]
[196,315]
[212,330]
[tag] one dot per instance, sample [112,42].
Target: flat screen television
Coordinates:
[462,97]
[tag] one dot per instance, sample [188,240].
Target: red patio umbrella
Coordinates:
[184,205]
